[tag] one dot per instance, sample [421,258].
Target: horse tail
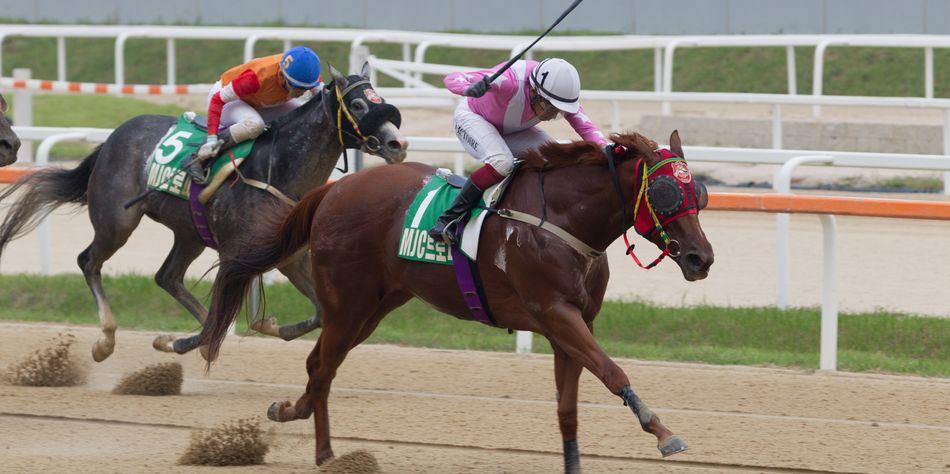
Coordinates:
[44,191]
[272,245]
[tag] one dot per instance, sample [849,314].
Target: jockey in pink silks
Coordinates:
[498,122]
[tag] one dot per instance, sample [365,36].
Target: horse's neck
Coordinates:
[305,150]
[582,200]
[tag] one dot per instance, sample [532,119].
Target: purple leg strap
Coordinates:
[198,216]
[466,281]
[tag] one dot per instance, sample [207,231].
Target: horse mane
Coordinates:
[553,155]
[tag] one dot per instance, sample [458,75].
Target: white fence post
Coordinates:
[23,113]
[792,72]
[783,184]
[929,72]
[523,342]
[60,58]
[358,56]
[170,61]
[946,149]
[829,296]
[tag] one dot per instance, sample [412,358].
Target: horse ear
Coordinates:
[3,105]
[365,70]
[338,78]
[675,145]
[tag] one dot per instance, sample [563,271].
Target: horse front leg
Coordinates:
[565,327]
[567,372]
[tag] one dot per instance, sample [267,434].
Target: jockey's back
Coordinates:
[509,107]
[264,74]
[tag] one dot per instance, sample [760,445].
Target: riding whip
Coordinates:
[519,55]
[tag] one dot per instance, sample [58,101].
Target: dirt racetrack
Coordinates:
[423,410]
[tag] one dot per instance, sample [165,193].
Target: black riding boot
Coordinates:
[444,228]
[196,169]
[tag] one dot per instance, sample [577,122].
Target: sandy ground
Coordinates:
[422,410]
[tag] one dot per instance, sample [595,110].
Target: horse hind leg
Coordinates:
[171,278]
[299,274]
[90,261]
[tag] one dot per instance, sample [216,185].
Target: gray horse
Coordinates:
[295,155]
[9,143]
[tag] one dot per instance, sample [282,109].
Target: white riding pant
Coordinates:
[244,121]
[486,144]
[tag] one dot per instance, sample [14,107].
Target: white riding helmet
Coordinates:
[558,82]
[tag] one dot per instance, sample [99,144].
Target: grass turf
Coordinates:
[883,342]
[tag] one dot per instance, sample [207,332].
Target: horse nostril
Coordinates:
[397,144]
[695,262]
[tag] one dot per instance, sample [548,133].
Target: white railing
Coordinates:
[664,47]
[788,159]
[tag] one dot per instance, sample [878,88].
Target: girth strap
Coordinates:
[267,187]
[564,235]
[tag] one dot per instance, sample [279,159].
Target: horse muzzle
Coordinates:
[387,143]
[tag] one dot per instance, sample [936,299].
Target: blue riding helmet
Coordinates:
[301,67]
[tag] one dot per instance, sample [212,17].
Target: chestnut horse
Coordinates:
[533,280]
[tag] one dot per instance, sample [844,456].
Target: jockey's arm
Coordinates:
[459,82]
[582,124]
[245,84]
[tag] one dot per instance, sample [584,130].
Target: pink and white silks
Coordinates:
[499,125]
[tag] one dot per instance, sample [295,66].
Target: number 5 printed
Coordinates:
[174,141]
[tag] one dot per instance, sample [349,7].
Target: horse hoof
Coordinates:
[273,412]
[163,343]
[267,326]
[672,445]
[101,351]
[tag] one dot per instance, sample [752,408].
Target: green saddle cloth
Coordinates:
[431,201]
[165,171]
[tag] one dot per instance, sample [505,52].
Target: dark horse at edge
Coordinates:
[534,280]
[9,143]
[295,155]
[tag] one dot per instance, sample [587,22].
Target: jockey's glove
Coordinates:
[479,88]
[615,150]
[209,148]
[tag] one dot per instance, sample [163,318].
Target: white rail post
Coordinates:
[946,149]
[523,342]
[23,113]
[120,59]
[358,56]
[459,164]
[286,44]
[60,58]
[817,74]
[792,72]
[615,117]
[828,356]
[407,57]
[929,72]
[249,47]
[783,184]
[3,36]
[170,61]
[666,108]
